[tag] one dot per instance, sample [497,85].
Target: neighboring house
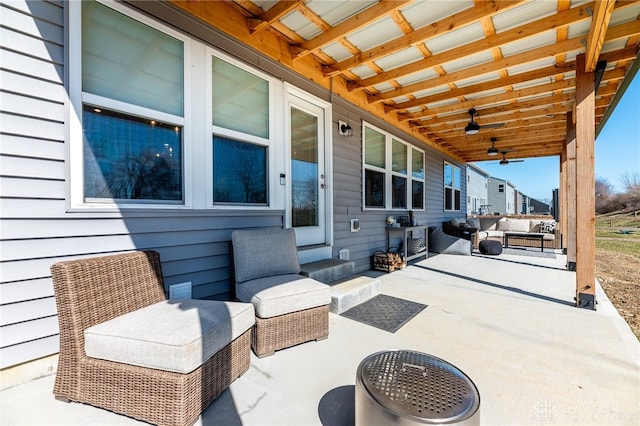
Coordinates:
[539,207]
[168,138]
[477,189]
[501,196]
[526,204]
[518,202]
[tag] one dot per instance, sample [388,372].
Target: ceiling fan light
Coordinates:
[492,151]
[504,162]
[472,129]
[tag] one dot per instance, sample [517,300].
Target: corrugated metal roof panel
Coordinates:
[337,52]
[523,14]
[455,38]
[403,57]
[363,71]
[478,79]
[425,74]
[419,14]
[529,66]
[375,35]
[579,28]
[334,12]
[468,61]
[300,25]
[627,14]
[543,39]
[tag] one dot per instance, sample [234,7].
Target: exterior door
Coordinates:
[307,186]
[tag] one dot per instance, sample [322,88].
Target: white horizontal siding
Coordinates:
[22,22]
[15,313]
[29,330]
[26,106]
[31,168]
[34,148]
[34,87]
[31,46]
[31,208]
[30,350]
[29,188]
[21,291]
[32,127]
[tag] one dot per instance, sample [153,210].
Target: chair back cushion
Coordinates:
[264,252]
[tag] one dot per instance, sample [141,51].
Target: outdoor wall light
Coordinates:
[344,129]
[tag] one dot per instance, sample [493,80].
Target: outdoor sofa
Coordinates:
[494,228]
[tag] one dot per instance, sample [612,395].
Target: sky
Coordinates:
[617,151]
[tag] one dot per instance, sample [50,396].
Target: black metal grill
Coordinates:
[419,386]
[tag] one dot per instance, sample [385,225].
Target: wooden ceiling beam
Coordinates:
[357,21]
[561,19]
[614,33]
[597,31]
[500,113]
[504,140]
[515,95]
[611,57]
[272,15]
[474,14]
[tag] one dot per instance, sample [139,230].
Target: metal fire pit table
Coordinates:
[408,388]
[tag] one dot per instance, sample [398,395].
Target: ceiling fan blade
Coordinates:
[516,161]
[492,126]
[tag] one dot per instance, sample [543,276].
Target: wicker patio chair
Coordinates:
[95,290]
[290,308]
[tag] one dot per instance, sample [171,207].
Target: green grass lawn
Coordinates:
[619,233]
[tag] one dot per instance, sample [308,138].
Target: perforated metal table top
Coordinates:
[419,386]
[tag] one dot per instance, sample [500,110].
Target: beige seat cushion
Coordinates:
[173,335]
[283,294]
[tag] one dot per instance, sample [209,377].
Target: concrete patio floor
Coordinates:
[508,322]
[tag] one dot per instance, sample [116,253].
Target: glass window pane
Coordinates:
[457,200]
[374,148]
[417,195]
[399,195]
[239,172]
[374,189]
[129,61]
[126,158]
[417,164]
[456,177]
[448,175]
[240,100]
[304,169]
[399,157]
[448,199]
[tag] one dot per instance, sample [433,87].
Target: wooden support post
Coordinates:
[585,187]
[571,193]
[562,198]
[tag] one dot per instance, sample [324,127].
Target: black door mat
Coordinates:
[385,312]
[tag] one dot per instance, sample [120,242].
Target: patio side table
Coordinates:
[407,233]
[413,388]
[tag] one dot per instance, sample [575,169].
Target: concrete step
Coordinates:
[328,270]
[347,294]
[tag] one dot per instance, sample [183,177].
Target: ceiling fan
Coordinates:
[473,128]
[492,151]
[504,160]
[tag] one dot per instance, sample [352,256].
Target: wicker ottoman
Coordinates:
[491,247]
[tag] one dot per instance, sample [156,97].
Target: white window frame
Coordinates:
[389,172]
[197,129]
[77,98]
[274,143]
[452,188]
